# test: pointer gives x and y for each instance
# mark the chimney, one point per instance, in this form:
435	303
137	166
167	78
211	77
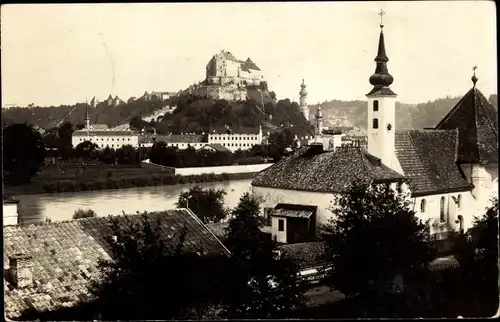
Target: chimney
20	270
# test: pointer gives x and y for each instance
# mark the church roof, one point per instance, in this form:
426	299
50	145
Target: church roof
311	169
428	160
476	120
65	255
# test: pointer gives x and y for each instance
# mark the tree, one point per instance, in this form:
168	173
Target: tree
87	150
261	286
373	239
207	204
84	213
23	153
493	99
153	276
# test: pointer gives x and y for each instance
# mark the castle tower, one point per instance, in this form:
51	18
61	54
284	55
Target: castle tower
382	107
303	100
319	121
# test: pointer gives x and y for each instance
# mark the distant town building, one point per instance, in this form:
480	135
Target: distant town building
101	135
242	138
303	100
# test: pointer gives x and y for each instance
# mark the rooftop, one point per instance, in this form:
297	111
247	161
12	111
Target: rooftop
476	120
312	169
428	160
234	130
173	138
65	255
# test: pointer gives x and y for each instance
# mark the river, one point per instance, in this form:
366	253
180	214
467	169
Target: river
61	206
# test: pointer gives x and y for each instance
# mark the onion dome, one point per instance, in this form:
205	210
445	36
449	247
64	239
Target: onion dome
303	91
319	113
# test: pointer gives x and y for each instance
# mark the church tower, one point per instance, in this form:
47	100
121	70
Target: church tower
87	118
319	121
382	107
303	100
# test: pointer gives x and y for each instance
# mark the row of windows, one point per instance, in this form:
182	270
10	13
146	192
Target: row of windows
442	210
234	138
102	139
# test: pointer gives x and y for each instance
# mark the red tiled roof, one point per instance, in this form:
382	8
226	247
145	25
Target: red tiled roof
476	120
330	171
428	160
65	255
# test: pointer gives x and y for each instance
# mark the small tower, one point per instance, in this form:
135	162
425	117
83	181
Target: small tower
87	118
319	121
303	100
382	107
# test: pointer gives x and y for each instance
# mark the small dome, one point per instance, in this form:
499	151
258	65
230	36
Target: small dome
303	91
384	79
319	113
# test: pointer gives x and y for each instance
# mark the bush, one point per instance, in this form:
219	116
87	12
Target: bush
84	213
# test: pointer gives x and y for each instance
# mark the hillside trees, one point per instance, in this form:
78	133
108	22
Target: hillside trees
23	153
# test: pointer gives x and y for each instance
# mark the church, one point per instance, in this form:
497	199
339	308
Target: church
451	169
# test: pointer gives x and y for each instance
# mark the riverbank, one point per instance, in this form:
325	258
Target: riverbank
117	181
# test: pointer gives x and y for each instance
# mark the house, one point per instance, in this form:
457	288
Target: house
10	211
216	148
50	266
452	169
103	136
235	138
180	141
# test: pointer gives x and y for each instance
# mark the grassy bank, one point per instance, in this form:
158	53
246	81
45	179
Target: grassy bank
74	180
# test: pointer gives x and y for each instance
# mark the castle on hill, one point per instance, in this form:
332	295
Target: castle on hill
229	78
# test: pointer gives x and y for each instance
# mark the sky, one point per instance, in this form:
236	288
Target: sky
62	54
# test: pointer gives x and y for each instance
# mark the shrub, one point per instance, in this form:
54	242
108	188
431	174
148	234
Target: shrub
84	213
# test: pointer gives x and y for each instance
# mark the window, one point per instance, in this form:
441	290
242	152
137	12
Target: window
422	206
375	106
281	225
442	216
375	123
459	201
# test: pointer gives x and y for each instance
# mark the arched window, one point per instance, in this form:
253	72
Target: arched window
375	123
459	201
375	105
442	216
422	205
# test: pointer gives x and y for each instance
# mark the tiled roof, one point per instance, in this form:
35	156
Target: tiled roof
380	91
65	255
249	64
293	211
234	130
99	126
229	56
428	160
218	147
173	138
476	120
331	171
104	133
219	229
304	254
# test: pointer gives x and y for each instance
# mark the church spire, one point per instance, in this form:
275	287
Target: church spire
381	79
87	118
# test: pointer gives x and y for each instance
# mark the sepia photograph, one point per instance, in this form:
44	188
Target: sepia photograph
250	160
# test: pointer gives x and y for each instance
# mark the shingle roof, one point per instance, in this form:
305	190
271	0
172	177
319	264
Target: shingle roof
331	171
173	138
476	120
305	254
229	56
65	255
293	211
428	160
84	133
234	130
218	147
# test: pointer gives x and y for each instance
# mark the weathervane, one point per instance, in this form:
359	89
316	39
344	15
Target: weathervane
381	14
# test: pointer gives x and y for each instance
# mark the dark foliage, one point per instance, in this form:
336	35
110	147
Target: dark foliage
146	265
373	238
262	286
207	204
23	153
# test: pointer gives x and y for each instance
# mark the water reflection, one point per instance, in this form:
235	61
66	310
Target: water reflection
58	207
